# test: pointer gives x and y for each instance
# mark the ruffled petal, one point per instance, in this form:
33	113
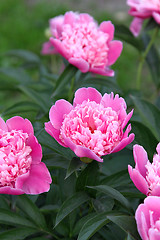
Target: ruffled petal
85	94
3	125
36	153
115	49
107	27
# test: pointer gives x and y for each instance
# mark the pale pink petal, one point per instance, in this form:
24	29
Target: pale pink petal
154	234
81	151
136	26
12	191
116	103
123	143
54	133
85	94
156	191
156	16
85	18
3	125
140	158
138	180
80	63
107	27
115	49
18	123
57	112
128	129
36	153
39	180
158	148
59	47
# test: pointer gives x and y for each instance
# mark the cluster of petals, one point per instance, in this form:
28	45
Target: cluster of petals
146	175
143	9
79	39
21	169
93	126
148	218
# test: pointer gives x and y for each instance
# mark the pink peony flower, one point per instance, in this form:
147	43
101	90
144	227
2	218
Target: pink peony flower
93	126
78	38
142	9
148	218
21	169
146	175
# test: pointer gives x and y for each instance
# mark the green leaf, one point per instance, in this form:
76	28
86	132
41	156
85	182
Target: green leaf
127	223
150	114
47	141
17	233
92	226
74	165
37	97
129	237
113	193
21	107
143	133
98	82
88	177
64	79
24	55
153	60
123	33
70	205
55	160
31	210
11	218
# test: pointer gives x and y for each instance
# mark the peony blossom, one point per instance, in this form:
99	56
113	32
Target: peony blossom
21	169
146	175
143	9
93	126
79	39
148	218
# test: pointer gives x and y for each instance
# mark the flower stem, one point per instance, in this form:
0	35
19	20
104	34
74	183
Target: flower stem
70	95
143	57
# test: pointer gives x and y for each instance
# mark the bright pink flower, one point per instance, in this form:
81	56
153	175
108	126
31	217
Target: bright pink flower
146	175
93	126
148	218
142	9
21	169
89	47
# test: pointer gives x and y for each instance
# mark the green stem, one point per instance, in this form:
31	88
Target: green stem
143	57
70	95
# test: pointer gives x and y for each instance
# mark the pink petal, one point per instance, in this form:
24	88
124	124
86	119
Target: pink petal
127	119
124	142
48	48
107	27
38	181
85	18
57	112
115	49
116	103
158	148
11	191
140	158
59	47
105	72
70	18
138	180
3	125
85	94
156	191
156	16
80	63
136	26
143	221
36	153
54	133
154	234
81	151
18	123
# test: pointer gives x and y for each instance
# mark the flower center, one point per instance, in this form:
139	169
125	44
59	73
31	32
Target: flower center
153	173
15	158
85	40
93	126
